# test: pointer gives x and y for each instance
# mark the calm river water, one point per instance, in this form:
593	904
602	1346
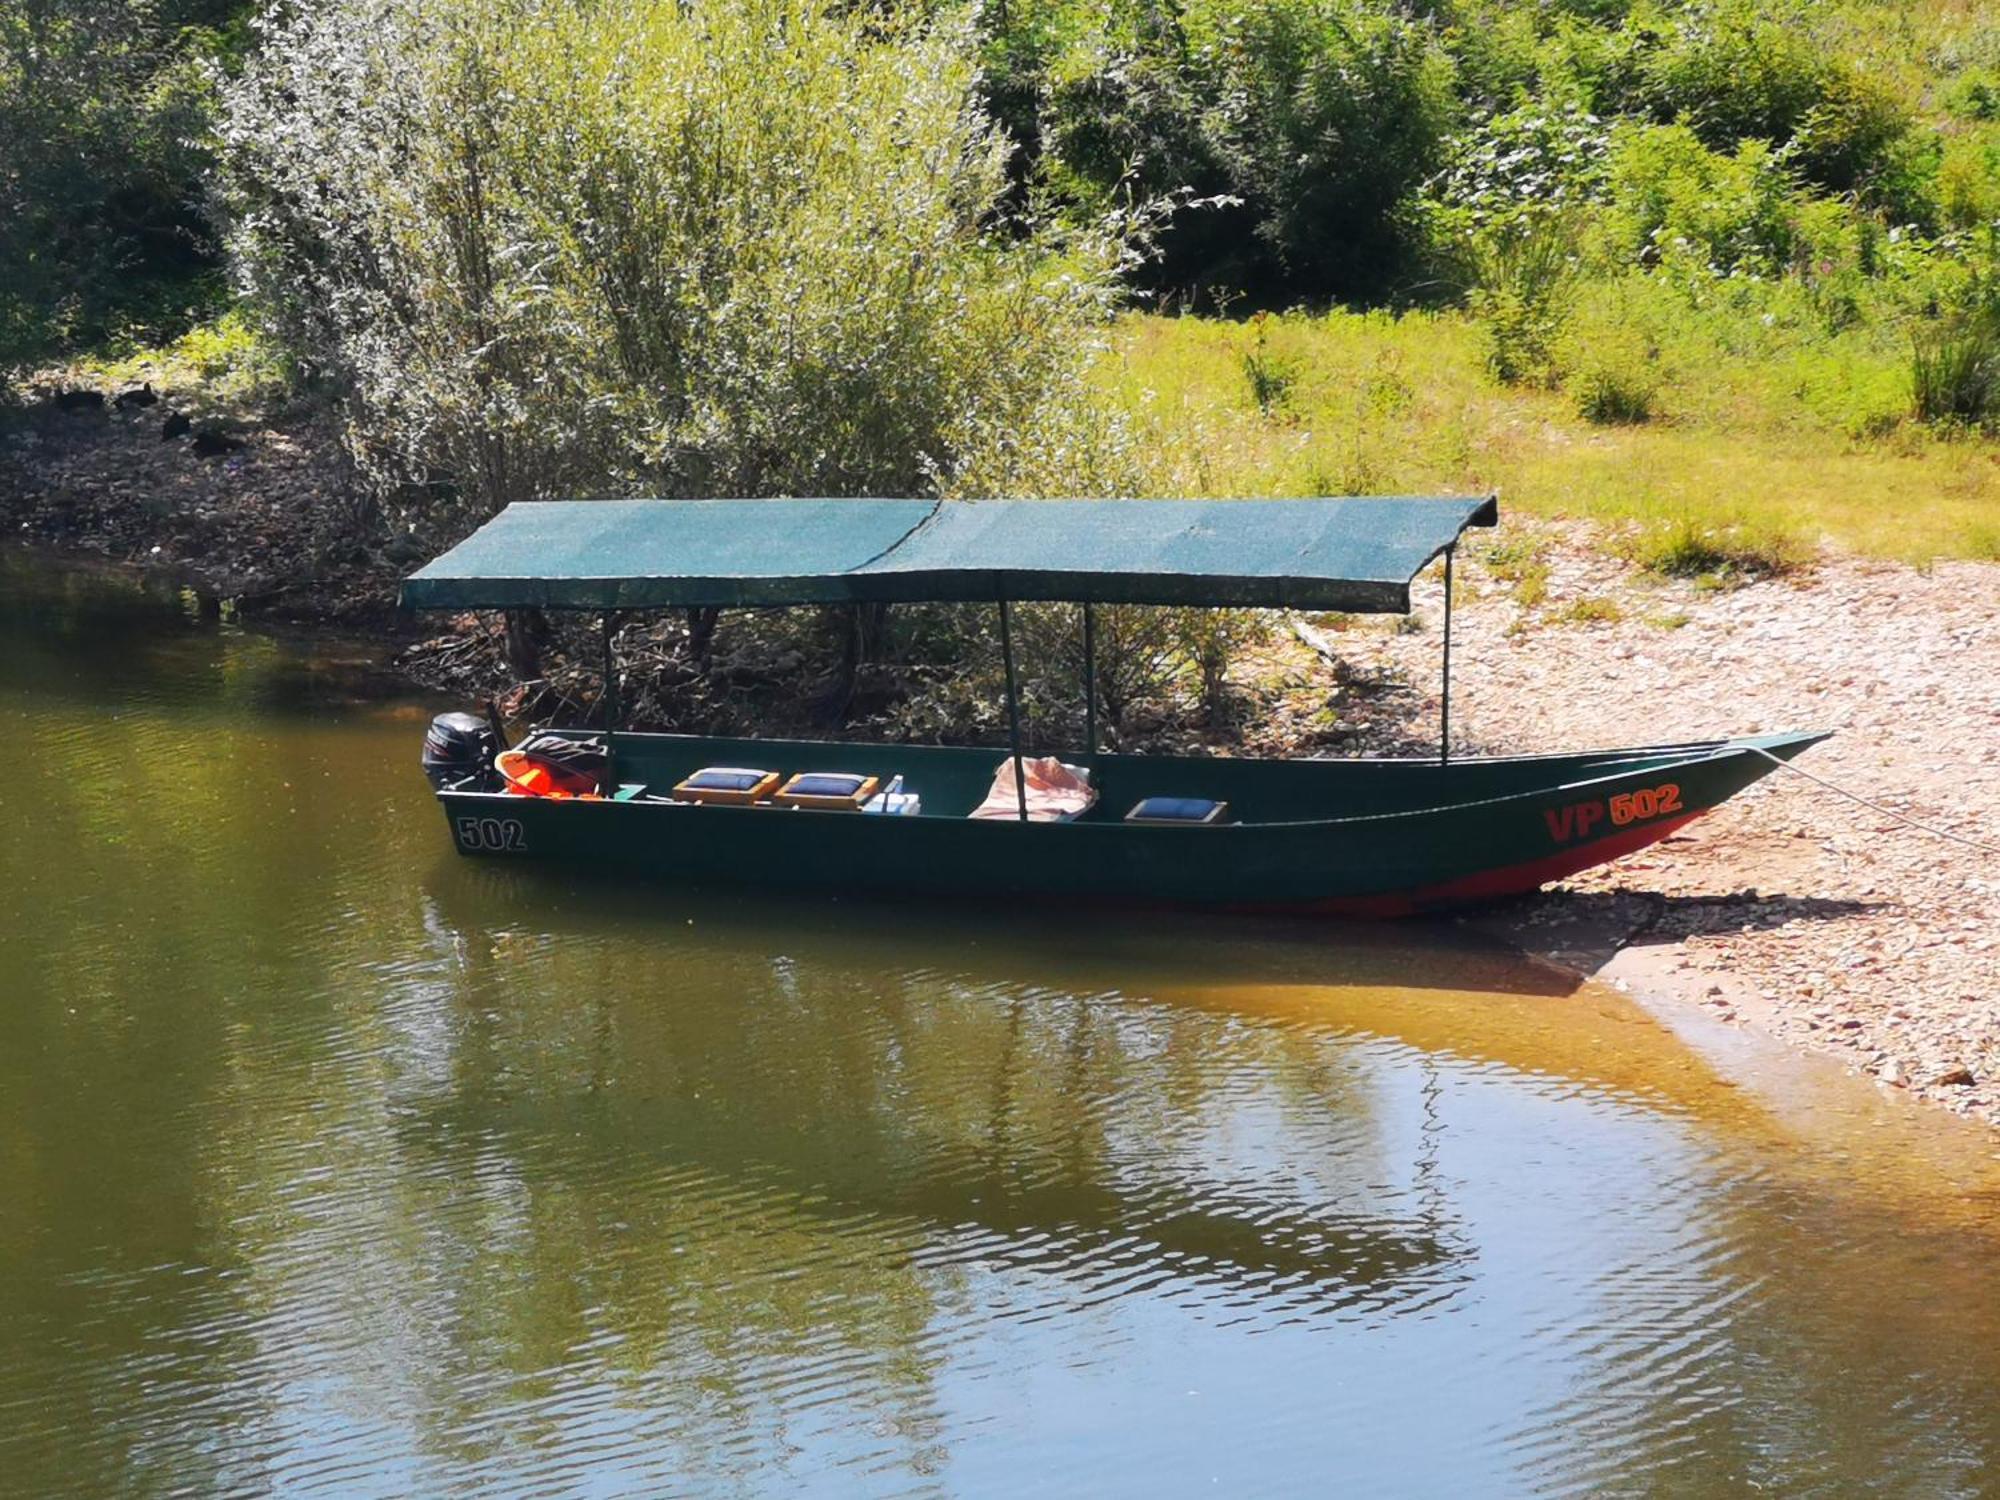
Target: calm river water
333	1164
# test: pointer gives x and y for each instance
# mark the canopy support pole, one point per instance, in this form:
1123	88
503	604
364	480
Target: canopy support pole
1090	681
610	702
1013	711
1444	704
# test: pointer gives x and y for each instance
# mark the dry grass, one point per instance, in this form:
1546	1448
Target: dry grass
1379	404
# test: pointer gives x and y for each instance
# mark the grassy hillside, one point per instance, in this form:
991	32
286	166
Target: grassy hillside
1759	447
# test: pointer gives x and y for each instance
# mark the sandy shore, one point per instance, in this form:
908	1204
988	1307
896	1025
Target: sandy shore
1791	909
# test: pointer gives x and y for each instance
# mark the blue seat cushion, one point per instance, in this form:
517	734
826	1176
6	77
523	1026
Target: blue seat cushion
1176	810
825	784
725	779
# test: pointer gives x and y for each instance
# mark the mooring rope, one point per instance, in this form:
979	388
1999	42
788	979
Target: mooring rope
1887	812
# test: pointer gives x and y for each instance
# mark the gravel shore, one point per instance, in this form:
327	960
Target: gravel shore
1831	925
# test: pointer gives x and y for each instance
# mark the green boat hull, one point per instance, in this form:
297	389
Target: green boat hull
1345	837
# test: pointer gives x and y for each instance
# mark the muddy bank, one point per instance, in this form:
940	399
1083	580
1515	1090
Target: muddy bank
256	510
1833	926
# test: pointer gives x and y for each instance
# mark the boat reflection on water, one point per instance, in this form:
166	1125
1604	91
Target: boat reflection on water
1016	1082
1403	1139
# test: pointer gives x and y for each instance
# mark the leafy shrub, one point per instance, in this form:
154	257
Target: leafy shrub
103	124
1968	182
1536	162
225	351
1847	141
1330	115
1974	96
1207	642
1615	392
1270	376
556	246
1299	127
1598	57
1749	69
1503	219
225	358
1522	561
1674	200
1125	115
1152	663
1593	609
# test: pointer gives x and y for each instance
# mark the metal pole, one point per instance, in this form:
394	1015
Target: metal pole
1444	711
610	703
1090	681
1013	711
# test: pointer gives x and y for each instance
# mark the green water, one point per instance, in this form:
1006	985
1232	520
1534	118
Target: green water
331	1164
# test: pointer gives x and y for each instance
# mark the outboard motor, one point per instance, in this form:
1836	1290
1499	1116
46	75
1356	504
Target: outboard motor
459	751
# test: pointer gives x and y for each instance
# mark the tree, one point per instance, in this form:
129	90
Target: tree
682	247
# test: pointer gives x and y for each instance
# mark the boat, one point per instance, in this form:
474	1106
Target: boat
1359	837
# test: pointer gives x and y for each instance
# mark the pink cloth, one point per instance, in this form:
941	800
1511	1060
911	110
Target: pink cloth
1055	791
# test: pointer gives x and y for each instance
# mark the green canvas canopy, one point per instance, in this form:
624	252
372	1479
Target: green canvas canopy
1354	553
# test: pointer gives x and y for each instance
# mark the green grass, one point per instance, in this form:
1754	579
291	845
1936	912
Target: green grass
1522	561
1776	440
224	361
1593	609
1715	553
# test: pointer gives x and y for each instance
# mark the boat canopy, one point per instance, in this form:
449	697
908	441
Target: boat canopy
1354	553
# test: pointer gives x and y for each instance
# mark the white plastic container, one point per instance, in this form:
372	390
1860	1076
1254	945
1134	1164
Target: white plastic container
894	801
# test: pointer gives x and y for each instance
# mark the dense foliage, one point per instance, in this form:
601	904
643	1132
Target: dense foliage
1830	163
551	246
104	117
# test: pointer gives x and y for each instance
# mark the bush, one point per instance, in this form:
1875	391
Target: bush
1301	127
1530	164
1208	642
1269	375
1330	115
1974	96
1615	393
560	246
1675	201
1609	357
104	110
1968	182
1523	562
1524	275
1593	609
1125	115
1751	70
1955	369
1716	554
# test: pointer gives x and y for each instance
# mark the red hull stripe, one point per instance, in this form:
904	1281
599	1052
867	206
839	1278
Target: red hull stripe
1508	880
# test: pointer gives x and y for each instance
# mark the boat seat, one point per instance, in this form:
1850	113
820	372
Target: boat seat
1186	811
727	786
833	791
